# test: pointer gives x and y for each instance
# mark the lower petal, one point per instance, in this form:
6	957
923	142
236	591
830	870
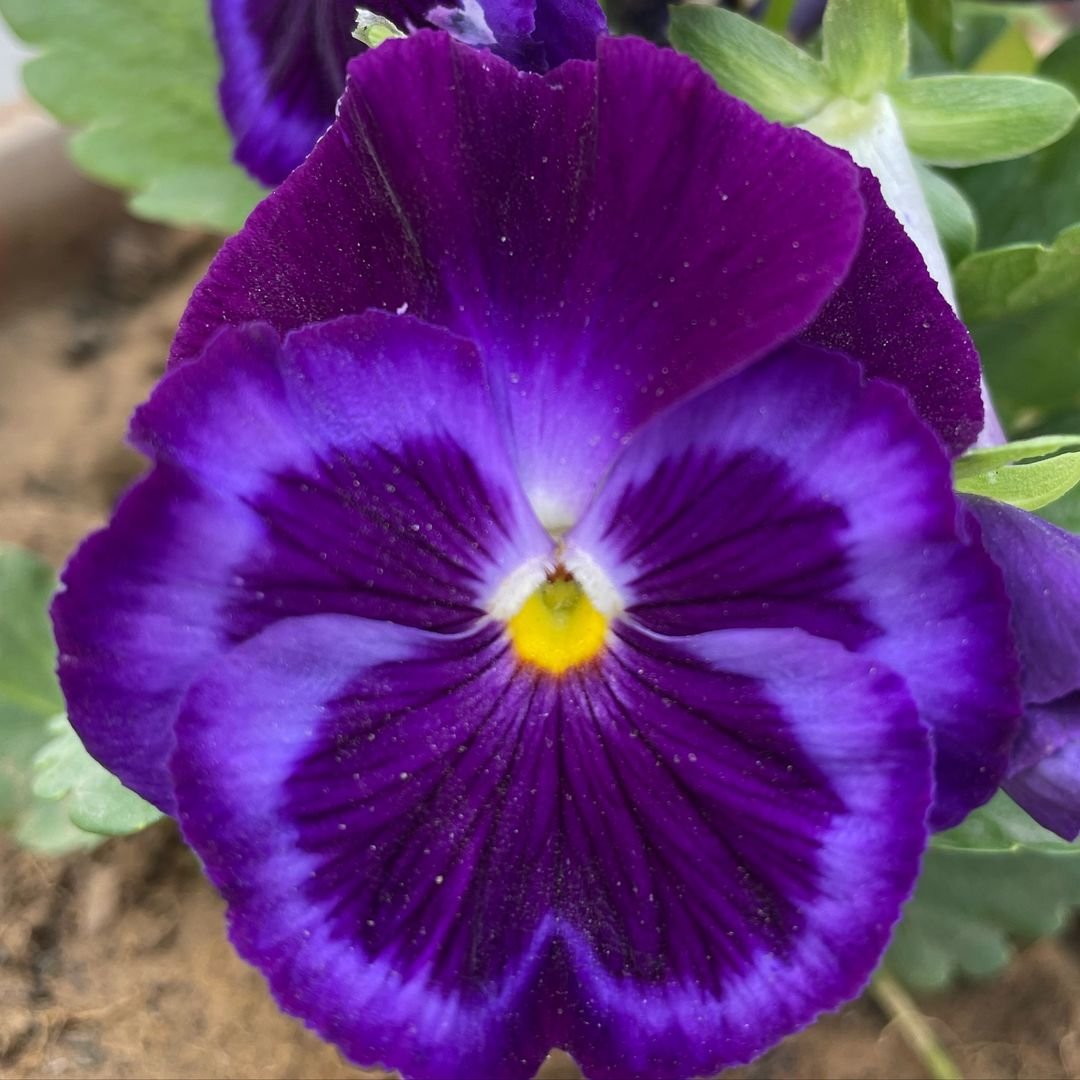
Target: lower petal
448	862
359	794
779	797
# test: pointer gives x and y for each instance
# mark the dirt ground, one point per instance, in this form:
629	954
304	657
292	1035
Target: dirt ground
115	963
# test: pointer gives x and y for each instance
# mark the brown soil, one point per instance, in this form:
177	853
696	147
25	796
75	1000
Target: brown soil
115	963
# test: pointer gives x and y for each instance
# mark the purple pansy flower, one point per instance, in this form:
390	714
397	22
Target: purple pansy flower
1041	564
549	615
284	60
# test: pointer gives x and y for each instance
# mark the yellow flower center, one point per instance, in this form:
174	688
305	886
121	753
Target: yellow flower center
558	627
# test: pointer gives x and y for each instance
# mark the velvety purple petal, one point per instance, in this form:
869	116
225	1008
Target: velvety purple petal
779	889
1044	774
612	235
890	315
1041	565
567	29
358	468
796	494
283	69
1046	729
448	863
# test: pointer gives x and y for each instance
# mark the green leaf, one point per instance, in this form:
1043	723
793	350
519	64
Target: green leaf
1034	198
140	76
29	697
865	44
1026	486
1020	304
766	71
96	801
969	908
953	215
966	119
993	472
1019	277
977	462
1001	825
937	20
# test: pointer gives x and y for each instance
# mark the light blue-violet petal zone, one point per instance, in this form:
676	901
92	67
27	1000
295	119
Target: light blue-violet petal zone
799	494
290	479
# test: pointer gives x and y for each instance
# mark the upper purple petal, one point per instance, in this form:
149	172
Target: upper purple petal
612	235
284	61
448	863
359	468
796	495
1041	566
890	315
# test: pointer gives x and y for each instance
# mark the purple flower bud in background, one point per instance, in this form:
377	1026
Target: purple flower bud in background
284	60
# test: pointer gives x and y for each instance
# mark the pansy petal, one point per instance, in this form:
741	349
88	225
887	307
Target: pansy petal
283	69
1044	774
372	849
778	795
612	235
568	29
890	315
796	494
357	468
1041	565
447	862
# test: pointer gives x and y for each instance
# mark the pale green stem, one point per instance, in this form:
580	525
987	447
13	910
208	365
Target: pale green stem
895	1002
870	132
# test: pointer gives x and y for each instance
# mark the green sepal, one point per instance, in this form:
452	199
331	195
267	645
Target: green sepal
140	77
865	45
95	800
1019	277
958	120
954	216
995	474
29	697
1001	825
969	908
763	69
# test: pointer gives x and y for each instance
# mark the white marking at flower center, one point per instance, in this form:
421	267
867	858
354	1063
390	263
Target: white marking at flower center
522	582
597	585
518	586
